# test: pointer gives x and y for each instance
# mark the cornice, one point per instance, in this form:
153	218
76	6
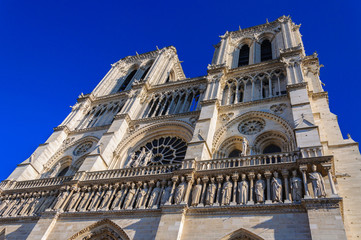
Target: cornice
318	95
92	129
175	85
297	86
123	212
256	68
254	209
166	117
252	103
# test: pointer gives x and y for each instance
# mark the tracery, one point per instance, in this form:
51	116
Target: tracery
163	150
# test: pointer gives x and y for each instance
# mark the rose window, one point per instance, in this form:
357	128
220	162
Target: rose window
164	150
83	148
251	126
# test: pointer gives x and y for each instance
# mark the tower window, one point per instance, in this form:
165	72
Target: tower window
243	56
145	73
266	50
127	81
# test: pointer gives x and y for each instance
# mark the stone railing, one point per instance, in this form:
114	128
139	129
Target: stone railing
131	172
40	182
253	160
311	152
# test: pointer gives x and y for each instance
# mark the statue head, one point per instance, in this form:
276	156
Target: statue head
212	180
314	167
158	184
198	181
145	185
275	174
243	176
227	178
182	179
132	185
294	173
259	176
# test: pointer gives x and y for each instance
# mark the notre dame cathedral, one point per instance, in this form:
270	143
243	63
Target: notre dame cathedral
249	151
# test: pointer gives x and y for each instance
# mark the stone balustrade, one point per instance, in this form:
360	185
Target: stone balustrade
252	160
131	172
37	183
311	152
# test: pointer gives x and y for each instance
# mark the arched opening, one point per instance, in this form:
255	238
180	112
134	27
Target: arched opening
145	73
243	58
242	234
63	172
235	153
127	81
266	50
272	148
104	229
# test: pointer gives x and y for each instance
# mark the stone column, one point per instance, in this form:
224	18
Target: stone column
303	169
235	177
268	175
219	188
327	167
285	180
250	177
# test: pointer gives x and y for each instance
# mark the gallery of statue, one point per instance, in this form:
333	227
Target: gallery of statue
249	151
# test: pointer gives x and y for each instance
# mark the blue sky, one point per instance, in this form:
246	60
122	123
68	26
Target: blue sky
51	51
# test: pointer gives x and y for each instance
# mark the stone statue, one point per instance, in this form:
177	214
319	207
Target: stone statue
117	200
226	191
318	184
166	193
296	187
137	162
61	199
196	192
211	191
147	158
154	196
180	191
82	205
259	189
276	188
141	199
106	198
96	198
55	170
243	190
244	147
131	160
73	199
129	197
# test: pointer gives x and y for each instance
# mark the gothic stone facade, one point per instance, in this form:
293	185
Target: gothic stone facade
249	151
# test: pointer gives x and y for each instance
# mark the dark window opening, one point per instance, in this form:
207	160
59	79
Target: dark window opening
235	153
272	148
266	50
243	56
145	73
127	81
63	172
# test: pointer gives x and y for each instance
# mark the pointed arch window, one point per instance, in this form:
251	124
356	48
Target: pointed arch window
243	58
127	80
266	50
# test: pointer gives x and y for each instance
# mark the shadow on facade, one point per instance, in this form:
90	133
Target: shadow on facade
22	232
145	228
291	226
